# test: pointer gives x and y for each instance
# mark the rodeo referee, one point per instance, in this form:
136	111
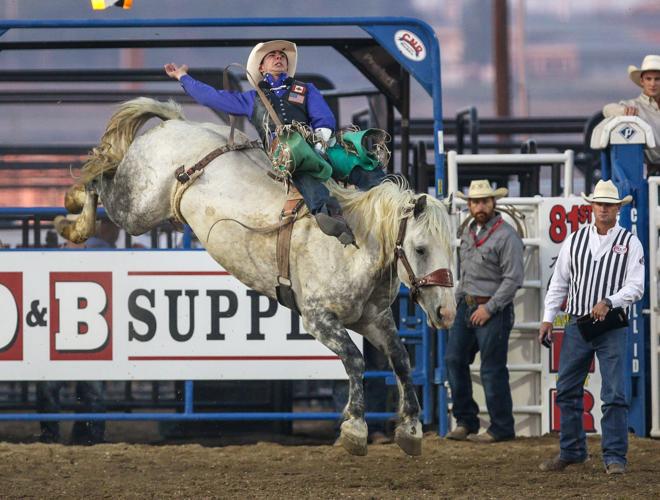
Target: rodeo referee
599	267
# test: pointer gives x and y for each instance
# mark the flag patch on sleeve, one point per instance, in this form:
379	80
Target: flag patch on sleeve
299	89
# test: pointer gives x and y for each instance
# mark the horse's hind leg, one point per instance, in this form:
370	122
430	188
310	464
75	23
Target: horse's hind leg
381	331
327	329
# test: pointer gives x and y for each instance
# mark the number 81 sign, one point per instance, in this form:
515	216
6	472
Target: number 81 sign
560	220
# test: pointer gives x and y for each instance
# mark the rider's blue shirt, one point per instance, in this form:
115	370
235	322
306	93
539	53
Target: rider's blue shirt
242	103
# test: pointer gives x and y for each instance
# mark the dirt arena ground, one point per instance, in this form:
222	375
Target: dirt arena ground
137	463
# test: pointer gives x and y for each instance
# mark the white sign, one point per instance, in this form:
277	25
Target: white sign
410	45
146	315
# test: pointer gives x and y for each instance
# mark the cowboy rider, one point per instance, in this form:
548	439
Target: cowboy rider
275	63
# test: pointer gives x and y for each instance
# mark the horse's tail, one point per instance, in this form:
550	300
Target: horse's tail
121	131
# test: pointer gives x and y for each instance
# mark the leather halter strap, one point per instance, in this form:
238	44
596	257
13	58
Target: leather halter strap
439	277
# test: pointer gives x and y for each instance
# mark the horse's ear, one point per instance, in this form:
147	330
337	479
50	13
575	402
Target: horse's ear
420	205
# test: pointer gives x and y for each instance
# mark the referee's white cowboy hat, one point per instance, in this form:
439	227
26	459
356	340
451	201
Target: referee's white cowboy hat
482	189
260	51
650	63
606	192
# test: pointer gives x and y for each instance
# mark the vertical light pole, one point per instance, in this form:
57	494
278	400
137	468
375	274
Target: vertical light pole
521	75
501	58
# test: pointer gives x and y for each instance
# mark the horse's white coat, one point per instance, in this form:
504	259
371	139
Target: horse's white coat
335	286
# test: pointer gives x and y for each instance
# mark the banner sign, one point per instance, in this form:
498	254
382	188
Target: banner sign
146	315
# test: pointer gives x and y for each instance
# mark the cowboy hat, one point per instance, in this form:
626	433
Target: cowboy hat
606	192
262	49
482	189
650	63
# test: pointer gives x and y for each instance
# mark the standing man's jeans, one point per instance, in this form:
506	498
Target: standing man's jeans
574	361
492	341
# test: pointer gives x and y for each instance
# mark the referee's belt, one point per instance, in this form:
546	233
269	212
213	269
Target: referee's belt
475	300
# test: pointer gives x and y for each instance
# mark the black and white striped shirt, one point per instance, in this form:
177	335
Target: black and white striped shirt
594	279
590	268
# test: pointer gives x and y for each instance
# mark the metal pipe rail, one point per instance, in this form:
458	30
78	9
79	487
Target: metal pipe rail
529	409
507	126
135	43
517	367
187	416
567	159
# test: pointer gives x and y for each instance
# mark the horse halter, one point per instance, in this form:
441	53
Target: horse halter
439	277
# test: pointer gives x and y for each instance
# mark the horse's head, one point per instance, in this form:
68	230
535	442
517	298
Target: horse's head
424	259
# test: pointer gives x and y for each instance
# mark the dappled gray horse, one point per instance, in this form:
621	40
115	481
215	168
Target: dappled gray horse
401	236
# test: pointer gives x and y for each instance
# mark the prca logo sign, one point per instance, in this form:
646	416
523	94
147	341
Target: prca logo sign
410	45
627	132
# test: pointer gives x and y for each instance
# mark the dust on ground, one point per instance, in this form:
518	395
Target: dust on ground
138	463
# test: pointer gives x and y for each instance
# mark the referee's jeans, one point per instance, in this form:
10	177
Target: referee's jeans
574	362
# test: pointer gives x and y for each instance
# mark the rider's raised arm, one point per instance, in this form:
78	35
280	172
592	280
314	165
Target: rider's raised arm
227	101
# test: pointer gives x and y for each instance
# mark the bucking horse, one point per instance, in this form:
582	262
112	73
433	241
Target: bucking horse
235	209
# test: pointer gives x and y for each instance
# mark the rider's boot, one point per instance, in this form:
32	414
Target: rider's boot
335	225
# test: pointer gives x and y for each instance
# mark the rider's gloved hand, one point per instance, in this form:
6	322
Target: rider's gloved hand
322	138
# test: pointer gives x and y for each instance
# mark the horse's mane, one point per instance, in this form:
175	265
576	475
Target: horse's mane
121	131
381	209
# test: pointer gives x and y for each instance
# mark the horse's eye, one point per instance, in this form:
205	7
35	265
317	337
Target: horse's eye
420	250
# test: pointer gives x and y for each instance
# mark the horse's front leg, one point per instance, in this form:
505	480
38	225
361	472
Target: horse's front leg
381	331
327	329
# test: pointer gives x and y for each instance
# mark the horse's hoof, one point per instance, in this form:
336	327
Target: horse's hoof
409	438
74	199
353	437
62	224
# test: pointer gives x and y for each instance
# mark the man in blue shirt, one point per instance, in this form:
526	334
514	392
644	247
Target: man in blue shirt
271	66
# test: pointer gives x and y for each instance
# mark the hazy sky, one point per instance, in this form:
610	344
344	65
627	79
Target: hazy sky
31	9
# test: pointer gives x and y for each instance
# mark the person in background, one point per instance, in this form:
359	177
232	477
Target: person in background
491	271
105	237
599	267
89	394
646	105
51	239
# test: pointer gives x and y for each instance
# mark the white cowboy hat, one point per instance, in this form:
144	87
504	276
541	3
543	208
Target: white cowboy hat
259	52
606	192
650	63
482	189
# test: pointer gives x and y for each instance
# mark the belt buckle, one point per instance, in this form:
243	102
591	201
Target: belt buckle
470	300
